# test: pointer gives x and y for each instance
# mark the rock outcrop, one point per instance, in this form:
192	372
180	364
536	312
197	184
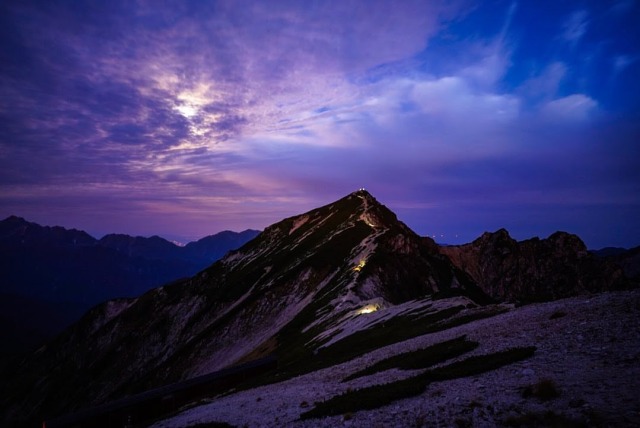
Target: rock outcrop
534	269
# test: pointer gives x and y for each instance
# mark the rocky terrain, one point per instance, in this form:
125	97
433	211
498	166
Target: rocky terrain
587	359
535	269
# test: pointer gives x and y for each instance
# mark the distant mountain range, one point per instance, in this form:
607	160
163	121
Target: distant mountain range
54	275
315	290
627	259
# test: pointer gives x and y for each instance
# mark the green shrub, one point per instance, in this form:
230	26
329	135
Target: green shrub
379	395
211	425
421	358
557	314
548	419
545	390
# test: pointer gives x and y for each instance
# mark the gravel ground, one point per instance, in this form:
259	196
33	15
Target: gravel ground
591	354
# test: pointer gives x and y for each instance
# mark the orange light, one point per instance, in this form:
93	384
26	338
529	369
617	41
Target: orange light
360	265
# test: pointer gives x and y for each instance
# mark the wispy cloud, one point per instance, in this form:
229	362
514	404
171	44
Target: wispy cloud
575	27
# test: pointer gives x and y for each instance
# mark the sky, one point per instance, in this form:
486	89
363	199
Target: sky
185	118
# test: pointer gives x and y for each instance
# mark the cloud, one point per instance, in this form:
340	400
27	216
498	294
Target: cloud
546	84
576	107
621	62
623	6
575	27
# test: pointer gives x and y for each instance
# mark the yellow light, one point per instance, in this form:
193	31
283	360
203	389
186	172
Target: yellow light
367	309
360	265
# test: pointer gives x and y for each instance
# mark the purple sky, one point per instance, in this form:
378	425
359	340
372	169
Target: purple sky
184	118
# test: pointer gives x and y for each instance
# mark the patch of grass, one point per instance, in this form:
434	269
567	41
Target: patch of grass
367	398
462	423
421	358
557	314
399	329
547	419
379	395
394	330
474	403
212	425
480	363
545	390
296	359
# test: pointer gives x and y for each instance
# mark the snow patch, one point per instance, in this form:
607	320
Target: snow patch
113	308
298	222
355	320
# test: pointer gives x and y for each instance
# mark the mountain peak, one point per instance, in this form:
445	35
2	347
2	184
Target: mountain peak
14	219
363	206
362	192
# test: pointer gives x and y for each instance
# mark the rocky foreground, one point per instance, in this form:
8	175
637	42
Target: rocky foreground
585	372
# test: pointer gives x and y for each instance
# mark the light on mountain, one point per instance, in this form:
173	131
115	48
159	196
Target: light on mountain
360	265
368	309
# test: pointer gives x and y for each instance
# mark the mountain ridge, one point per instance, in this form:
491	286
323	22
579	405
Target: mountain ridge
304	289
534	269
298	278
69	271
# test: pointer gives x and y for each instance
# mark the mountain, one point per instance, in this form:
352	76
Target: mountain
68	271
200	253
315	290
213	247
154	247
627	259
62	265
299	277
534	269
26	322
609	251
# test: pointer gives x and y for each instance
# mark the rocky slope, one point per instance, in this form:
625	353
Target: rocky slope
587	359
535	269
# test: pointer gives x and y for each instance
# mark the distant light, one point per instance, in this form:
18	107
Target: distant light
360	265
368	309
